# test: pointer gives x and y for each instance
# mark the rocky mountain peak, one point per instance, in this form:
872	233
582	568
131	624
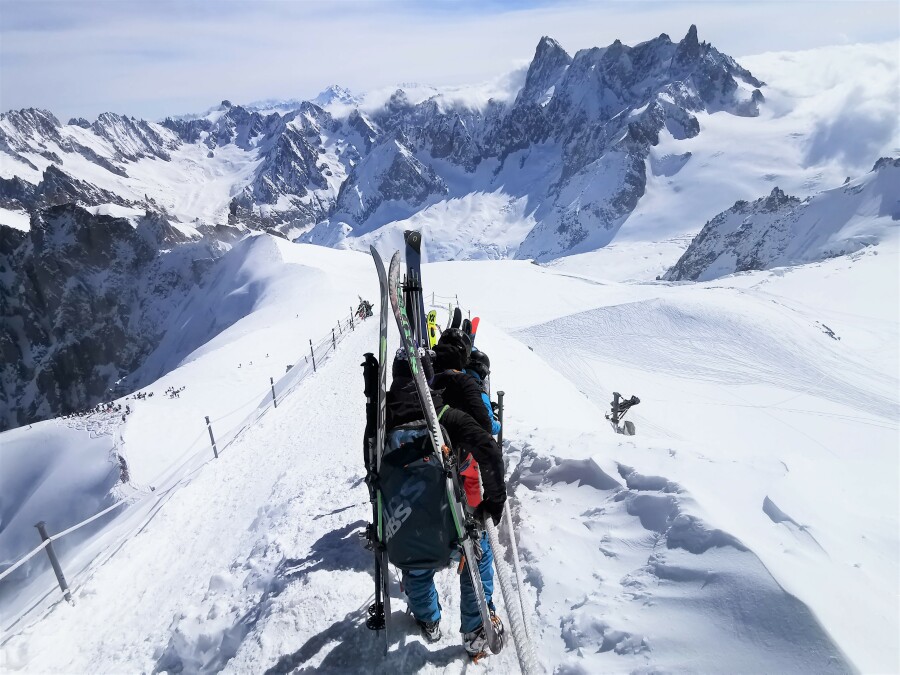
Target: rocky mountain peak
549	63
548	48
17	126
776	199
688	49
335	94
884	162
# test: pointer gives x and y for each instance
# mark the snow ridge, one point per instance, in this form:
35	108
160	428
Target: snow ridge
780	230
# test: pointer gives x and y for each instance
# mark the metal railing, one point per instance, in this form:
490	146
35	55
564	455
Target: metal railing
320	353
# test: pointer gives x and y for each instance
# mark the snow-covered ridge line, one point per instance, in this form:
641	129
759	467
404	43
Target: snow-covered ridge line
781	230
143	506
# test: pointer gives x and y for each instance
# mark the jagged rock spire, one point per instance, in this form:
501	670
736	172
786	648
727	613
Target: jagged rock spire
549	63
689	48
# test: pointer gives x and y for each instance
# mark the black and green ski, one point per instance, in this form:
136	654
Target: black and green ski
375	373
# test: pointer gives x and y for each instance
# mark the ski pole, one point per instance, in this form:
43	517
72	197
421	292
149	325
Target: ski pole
313	354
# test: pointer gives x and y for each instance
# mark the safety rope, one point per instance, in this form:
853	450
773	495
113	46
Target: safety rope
232	435
516	610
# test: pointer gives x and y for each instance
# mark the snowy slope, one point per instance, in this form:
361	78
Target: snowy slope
750	526
781	230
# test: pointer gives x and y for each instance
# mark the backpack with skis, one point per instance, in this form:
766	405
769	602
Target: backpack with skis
465	530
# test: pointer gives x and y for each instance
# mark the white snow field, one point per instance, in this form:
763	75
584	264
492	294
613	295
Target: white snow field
750	526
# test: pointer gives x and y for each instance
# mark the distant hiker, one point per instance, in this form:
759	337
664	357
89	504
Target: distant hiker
469	439
364	310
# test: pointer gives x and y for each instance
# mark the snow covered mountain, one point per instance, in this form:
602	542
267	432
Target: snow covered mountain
781	230
580	129
749	526
86	298
619	146
578	154
577	134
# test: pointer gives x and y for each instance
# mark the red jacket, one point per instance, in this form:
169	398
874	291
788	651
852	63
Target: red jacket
469	472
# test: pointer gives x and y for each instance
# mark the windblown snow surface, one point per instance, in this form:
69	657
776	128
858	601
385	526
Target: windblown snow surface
750	526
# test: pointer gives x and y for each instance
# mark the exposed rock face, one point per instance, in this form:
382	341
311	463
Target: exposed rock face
580	129
389	173
84	300
134	139
590	119
780	230
56	187
547	68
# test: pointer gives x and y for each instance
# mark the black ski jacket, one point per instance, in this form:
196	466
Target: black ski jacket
460	390
403	406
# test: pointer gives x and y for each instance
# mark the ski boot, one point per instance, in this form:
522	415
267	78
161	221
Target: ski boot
475	643
431	630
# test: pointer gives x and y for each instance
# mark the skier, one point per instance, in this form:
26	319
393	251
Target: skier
479	367
403	407
460	389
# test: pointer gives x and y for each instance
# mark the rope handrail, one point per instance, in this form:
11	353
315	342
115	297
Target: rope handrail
241	428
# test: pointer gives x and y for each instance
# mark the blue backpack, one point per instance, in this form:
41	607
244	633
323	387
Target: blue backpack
417	520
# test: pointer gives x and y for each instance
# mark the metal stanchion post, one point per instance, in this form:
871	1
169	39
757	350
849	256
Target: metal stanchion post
211	437
54	561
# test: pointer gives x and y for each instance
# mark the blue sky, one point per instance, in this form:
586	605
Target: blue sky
161	57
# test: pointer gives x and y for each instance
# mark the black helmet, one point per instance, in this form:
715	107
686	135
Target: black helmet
456	337
400	367
479	363
453	349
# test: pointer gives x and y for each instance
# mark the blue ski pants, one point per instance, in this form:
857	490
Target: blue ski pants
423	598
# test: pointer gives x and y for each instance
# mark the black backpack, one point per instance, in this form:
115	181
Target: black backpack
417	520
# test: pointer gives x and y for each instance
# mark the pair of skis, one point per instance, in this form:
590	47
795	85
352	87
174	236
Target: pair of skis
415	300
375	372
464	522
470	328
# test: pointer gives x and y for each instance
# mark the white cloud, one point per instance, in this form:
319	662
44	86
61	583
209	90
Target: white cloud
153	59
